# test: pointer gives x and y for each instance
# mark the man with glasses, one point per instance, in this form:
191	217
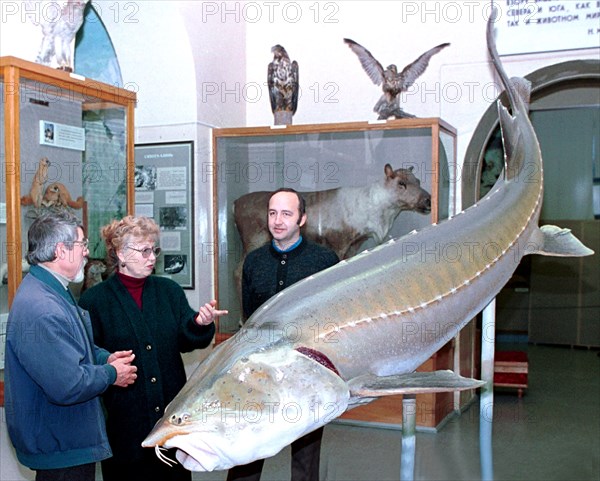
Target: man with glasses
54	373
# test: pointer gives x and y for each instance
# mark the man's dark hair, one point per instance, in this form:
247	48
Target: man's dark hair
301	201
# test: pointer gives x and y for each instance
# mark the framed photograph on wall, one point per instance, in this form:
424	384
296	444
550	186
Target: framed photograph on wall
164	186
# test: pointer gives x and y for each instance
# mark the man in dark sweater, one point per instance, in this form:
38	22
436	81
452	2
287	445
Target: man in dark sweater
287	259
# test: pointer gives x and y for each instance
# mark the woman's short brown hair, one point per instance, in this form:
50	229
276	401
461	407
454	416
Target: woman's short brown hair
119	233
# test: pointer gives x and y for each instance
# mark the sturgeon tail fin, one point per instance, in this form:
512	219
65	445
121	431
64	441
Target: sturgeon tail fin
522	87
518	91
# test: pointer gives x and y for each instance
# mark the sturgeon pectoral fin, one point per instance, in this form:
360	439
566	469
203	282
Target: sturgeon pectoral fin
413	383
556	241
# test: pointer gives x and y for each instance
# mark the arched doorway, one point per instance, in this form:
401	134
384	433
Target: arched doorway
552	300
577	82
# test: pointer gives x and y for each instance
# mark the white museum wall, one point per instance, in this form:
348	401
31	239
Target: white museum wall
197	65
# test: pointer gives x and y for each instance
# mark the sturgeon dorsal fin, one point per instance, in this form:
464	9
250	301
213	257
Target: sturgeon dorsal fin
551	240
370	385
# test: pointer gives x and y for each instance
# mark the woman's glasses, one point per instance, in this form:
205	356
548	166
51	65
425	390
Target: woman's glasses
146	251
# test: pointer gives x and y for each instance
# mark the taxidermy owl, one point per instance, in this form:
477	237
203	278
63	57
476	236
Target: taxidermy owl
282	79
392	82
59	22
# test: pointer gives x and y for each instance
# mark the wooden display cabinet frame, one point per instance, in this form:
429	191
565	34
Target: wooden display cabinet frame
12	71
242	155
15	73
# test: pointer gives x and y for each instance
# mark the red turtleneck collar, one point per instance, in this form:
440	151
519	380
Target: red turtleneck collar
134	285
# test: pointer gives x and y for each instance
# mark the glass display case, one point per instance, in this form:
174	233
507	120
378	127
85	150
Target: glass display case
349	157
67	143
320	157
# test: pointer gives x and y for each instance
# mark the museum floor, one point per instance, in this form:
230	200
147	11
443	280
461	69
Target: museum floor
552	433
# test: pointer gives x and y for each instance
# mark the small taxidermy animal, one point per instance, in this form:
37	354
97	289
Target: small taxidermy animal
94	270
4	270
57	195
36	193
392	82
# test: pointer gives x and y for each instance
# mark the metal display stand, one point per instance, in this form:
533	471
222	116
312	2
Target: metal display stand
486	407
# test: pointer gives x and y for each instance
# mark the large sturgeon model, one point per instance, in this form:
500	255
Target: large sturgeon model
359	330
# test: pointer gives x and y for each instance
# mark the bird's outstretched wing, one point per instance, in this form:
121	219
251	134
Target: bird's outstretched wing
412	71
369	63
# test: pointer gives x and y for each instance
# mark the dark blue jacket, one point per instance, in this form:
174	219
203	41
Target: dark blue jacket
54	375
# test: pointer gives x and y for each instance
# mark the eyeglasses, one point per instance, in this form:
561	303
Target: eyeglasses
146	251
84	243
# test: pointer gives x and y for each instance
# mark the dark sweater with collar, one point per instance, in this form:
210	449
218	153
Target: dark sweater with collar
157	334
268	270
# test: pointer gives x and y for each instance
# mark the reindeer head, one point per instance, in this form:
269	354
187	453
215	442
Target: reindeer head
407	190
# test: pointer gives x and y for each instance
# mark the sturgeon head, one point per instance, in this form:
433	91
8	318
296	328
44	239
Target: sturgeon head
359	330
246	402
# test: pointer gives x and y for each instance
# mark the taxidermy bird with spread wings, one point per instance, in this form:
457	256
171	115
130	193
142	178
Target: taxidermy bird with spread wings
59	22
394	83
282	78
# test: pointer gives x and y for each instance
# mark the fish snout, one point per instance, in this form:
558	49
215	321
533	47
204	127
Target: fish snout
161	433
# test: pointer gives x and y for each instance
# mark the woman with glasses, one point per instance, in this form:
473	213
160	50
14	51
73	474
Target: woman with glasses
151	316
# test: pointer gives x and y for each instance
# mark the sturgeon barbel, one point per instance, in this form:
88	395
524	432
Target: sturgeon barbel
360	329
